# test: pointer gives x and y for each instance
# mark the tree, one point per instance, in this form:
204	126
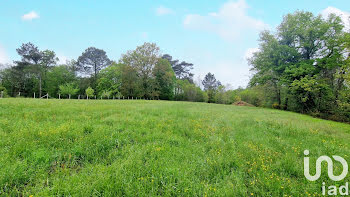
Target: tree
303	64
89	92
142	60
271	62
110	79
210	85
68	89
36	62
193	93
164	79
130	83
209	82
105	94
182	69
25	69
30	54
56	76
3	92
91	61
221	96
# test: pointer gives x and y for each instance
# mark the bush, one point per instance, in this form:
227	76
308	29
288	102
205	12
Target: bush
253	96
4	91
89	92
68	89
276	106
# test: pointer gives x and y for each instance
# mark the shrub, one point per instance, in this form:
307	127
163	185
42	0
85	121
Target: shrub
276	106
68	89
89	92
4	91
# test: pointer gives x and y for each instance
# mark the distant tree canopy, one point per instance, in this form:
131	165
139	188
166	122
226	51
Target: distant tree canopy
182	69
68	89
304	66
91	61
109	80
32	68
143	59
210	85
164	80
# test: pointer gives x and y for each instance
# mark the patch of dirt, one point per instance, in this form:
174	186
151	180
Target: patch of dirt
242	103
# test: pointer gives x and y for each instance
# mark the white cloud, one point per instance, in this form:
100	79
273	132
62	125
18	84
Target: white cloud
30	16
229	22
249	52
161	10
345	16
3	56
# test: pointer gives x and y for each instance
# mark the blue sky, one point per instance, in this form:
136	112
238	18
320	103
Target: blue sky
216	36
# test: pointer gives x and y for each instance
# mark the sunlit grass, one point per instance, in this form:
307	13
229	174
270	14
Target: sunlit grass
147	148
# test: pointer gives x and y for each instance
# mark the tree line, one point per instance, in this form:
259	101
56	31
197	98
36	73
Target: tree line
303	66
140	73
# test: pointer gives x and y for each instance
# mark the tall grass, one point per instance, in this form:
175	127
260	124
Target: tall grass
151	148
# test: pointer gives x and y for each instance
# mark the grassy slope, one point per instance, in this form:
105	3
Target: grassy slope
159	148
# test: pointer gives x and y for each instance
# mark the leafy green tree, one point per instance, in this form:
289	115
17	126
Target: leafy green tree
303	64
110	79
34	63
164	79
221	96
143	59
253	95
182	69
91	61
105	94
187	91
89	92
210	86
131	86
3	92
68	89
56	76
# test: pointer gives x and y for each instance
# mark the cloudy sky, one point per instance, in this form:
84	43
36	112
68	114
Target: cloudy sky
216	36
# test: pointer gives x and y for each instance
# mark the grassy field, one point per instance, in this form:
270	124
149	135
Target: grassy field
149	148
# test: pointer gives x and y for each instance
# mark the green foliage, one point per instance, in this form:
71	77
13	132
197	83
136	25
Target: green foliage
164	79
130	84
92	61
142	60
57	76
222	96
3	92
210	85
109	80
181	69
106	94
253	96
68	89
89	92
303	67
33	65
276	106
186	91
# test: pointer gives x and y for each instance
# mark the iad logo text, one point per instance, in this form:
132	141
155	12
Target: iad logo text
332	190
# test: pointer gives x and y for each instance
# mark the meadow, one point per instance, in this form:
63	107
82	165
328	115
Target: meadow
160	148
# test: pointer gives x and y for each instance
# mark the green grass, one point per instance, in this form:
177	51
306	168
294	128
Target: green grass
149	148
